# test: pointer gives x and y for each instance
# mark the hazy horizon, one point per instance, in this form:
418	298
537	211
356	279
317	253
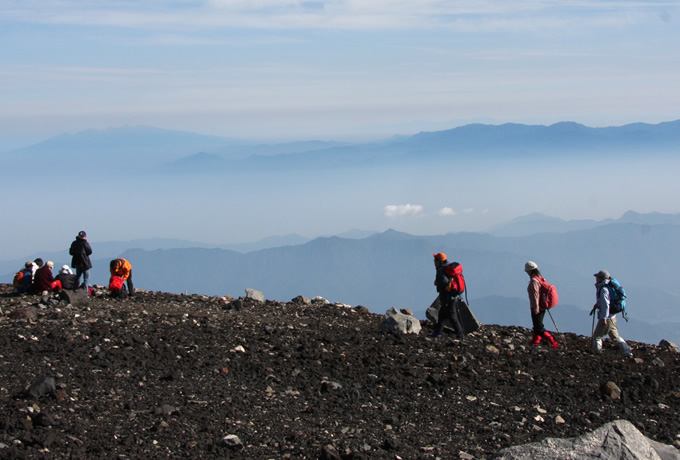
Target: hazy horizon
330	70
339	69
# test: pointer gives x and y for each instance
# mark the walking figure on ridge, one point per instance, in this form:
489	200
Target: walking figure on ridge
537	305
448	308
606	314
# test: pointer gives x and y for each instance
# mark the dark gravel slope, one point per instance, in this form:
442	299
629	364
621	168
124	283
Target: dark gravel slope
162	375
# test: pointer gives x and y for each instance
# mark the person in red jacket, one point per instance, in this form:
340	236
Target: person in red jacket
122	268
537	313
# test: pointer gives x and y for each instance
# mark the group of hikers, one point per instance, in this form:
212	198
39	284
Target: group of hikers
450	285
36	277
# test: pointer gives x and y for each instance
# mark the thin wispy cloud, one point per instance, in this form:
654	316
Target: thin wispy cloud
402	210
462	16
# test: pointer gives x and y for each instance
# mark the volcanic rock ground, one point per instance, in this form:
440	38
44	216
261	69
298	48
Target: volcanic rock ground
171	376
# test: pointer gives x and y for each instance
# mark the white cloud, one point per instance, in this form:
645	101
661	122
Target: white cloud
394	210
469	210
446	211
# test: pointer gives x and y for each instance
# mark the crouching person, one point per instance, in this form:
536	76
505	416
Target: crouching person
123	269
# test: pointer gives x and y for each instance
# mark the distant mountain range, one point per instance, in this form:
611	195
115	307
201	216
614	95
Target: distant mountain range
393	269
154	150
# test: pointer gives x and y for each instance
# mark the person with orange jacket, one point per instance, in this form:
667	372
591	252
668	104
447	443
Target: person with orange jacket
123	268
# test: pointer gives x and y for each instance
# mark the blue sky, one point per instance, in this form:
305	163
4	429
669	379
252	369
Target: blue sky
332	69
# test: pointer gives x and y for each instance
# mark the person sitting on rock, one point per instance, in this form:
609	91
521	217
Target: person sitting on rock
67	278
23	279
44	280
123	268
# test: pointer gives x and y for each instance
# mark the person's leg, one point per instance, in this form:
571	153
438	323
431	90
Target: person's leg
538	328
455	317
443	314
601	330
86	281
131	288
614	334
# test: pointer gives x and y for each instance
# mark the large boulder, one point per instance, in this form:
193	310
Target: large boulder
77	298
255	295
397	321
618	440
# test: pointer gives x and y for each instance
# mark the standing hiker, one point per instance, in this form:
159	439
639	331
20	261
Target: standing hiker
606	320
447	305
537	313
81	250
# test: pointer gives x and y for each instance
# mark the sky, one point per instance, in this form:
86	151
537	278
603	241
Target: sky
345	70
332	69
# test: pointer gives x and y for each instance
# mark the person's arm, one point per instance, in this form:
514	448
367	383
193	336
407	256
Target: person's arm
534	295
603	303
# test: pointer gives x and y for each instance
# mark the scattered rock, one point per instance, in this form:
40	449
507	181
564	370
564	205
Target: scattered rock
396	321
255	295
611	390
616	440
25	314
41	386
232	442
669	345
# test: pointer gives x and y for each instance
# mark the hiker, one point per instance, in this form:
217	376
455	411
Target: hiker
67	279
122	268
537	313
44	280
81	251
447	304
23	279
606	321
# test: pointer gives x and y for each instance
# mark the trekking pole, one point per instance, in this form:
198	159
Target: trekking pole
564	342
553	320
592	329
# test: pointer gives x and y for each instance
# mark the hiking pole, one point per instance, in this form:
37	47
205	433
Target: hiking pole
592	329
557	329
553	320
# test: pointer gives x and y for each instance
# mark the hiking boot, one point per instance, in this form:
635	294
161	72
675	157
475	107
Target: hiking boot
625	348
535	340
551	339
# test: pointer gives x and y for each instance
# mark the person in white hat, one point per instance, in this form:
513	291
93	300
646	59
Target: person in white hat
606	322
537	313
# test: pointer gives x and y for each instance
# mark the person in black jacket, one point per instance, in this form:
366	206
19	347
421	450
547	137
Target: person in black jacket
447	305
81	250
67	279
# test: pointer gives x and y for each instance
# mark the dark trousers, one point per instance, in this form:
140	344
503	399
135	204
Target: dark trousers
448	309
537	321
130	287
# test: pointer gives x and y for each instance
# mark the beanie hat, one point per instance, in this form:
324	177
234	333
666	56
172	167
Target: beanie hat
530	266
82	234
440	256
604	274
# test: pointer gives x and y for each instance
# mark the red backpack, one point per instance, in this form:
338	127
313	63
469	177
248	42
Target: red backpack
547	297
454	271
116	283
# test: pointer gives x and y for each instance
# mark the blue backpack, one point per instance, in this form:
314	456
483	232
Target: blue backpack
617	298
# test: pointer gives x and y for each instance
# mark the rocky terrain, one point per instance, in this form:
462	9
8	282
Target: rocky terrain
187	376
